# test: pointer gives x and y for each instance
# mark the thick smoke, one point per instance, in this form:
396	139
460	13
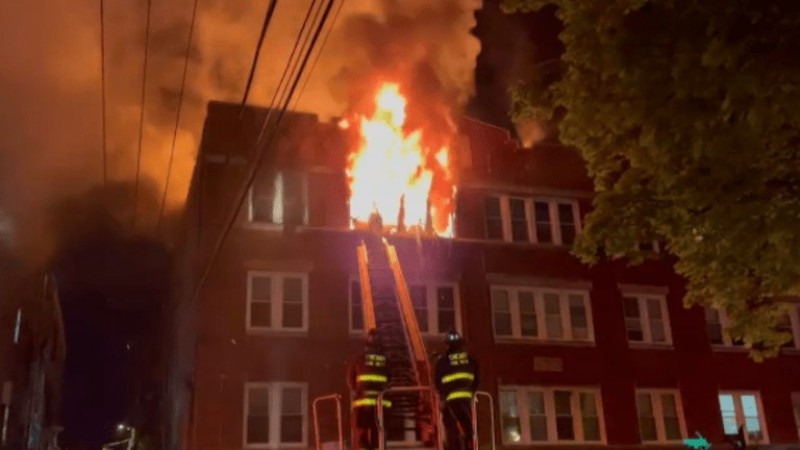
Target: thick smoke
50	121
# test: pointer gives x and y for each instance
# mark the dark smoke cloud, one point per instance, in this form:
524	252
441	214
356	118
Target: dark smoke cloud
50	127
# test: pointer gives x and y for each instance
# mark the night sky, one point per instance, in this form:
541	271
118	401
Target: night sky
114	286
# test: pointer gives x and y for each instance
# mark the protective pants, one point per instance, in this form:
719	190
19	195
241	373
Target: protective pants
457	418
366	427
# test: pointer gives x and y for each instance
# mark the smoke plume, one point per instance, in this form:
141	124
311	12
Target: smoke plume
51	143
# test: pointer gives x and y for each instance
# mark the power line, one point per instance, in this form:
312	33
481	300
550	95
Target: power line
177	117
103	91
141	114
264	26
291	66
316	58
260	149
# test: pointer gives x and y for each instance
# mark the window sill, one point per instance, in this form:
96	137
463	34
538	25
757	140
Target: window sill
649	346
266	226
276	332
275	446
729	348
542	342
554	444
519	244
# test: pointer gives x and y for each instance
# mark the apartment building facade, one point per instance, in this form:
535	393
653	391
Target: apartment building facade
574	356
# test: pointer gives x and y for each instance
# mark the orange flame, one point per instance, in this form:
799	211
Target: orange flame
392	172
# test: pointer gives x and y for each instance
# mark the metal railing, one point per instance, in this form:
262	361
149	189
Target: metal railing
435	416
338	400
475	418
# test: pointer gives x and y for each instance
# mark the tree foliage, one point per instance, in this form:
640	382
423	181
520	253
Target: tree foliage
687	113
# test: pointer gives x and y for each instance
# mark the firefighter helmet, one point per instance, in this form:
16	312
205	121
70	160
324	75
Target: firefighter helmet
453	338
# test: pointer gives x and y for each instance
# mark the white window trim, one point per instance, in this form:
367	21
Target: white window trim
541	324
794	319
658	413
555	221
550	414
644	318
796	409
277	302
727	341
432	307
275	403
18	326
278	226
737	405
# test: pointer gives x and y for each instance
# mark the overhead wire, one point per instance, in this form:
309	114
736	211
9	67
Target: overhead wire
319	52
264	26
103	92
177	117
261	153
141	113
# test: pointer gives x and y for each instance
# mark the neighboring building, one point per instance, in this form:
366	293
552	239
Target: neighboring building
32	352
575	355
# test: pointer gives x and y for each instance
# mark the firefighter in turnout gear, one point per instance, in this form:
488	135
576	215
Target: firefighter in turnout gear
457	381
368	377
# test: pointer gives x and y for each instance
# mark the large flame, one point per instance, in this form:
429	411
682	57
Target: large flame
392	172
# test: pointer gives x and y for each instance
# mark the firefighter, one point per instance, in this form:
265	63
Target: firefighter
457	381
367	378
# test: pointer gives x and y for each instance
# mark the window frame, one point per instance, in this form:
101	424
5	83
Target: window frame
276	304
644	319
279	226
727	341
658	414
539	307
550	414
795	398
430	296
17	326
737	406
275	389
794	320
530	217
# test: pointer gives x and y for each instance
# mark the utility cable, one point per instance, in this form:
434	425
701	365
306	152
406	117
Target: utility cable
141	113
254	65
261	152
177	117
316	58
103	92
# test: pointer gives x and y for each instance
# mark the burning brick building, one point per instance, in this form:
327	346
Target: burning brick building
573	355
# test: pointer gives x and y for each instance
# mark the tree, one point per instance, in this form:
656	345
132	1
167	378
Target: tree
687	113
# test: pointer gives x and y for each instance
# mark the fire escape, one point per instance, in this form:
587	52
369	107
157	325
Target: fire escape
388	308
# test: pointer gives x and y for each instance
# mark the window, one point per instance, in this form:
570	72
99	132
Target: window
716	326
538	415
275	415
277	301
796	409
18	326
790	324
494	219
743	408
436	306
660	418
544	221
538	313
356	307
279	200
646	319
